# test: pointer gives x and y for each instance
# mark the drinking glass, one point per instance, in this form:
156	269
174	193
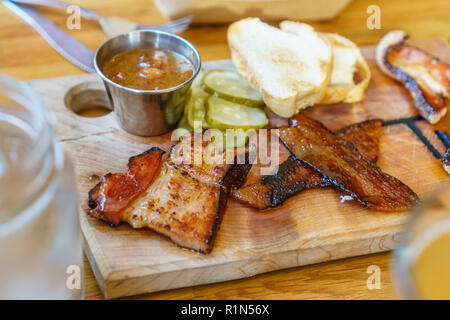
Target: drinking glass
40	240
421	265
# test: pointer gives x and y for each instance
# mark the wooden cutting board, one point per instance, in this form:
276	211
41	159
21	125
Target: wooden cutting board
310	227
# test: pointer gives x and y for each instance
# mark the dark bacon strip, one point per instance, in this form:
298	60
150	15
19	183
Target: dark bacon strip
116	191
446	161
426	78
293	177
365	136
431	105
343	166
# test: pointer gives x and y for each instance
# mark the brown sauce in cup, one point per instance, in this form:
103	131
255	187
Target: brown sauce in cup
148	69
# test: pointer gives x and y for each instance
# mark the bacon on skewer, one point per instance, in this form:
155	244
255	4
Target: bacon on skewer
426	78
446	161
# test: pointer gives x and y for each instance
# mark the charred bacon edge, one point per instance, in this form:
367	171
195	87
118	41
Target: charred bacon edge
278	196
234	177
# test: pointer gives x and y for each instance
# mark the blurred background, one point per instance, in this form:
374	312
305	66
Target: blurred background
423	19
26	56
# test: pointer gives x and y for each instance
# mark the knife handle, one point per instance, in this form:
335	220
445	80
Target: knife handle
85	13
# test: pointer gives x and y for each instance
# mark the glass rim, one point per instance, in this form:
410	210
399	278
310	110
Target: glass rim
39	119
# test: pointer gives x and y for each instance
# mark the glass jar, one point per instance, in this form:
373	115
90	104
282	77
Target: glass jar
421	264
40	239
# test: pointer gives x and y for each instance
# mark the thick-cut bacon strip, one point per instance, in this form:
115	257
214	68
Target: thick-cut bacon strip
116	191
342	165
426	78
446	161
293	177
183	199
365	136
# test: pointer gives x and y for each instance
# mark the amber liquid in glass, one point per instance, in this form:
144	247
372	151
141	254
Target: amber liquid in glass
431	269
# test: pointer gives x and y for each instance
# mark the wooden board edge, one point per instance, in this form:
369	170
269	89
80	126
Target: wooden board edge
123	285
95	269
98	271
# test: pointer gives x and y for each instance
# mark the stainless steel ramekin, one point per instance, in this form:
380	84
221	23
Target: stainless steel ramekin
147	112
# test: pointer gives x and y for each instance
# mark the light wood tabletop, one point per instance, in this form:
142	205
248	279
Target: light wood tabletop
25	55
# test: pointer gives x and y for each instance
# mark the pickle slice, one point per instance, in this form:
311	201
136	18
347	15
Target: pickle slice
230	138
224	114
195	109
198	79
229	85
235	138
183	128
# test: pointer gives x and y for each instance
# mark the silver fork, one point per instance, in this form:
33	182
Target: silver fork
113	26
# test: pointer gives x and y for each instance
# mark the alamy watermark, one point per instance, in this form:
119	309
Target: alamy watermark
73	281
232	146
374	280
74	19
374	19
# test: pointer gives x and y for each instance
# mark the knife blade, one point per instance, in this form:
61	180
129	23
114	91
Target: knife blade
61	41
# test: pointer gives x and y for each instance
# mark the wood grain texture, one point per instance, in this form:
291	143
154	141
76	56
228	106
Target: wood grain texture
341	279
312	227
25	55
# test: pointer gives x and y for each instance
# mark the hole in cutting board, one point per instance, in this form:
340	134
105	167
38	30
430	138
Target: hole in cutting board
88	99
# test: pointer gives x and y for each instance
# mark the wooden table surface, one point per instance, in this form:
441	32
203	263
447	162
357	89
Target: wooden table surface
25	55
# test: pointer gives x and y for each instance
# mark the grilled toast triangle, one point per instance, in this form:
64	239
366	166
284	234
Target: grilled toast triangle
347	61
291	71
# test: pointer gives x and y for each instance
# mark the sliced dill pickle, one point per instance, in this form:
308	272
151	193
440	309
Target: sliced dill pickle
229	85
224	114
183	128
183	124
235	138
198	79
195	109
230	138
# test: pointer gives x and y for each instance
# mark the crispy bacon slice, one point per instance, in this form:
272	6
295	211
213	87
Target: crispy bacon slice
184	202
116	191
446	161
365	136
426	78
293	177
188	198
343	166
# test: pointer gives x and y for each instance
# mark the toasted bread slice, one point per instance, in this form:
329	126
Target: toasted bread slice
347	60
291	71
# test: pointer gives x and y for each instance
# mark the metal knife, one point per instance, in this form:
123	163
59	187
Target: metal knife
61	41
